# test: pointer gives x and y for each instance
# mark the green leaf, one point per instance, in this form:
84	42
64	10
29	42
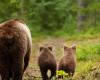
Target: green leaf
13	1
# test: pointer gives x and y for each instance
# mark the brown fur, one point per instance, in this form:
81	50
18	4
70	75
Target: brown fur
15	49
68	62
46	61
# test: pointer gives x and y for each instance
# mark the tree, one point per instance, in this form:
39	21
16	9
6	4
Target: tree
82	15
52	15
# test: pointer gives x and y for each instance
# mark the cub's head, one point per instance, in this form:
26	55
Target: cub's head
70	50
45	49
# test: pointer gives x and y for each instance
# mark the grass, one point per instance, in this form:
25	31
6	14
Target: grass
90	51
88	56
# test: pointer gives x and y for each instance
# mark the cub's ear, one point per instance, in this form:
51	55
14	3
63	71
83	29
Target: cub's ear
65	47
74	47
41	48
50	48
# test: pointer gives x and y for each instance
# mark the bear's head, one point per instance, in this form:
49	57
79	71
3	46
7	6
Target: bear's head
70	50
45	49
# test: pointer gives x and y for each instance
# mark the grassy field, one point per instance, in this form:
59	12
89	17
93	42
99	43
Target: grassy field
88	57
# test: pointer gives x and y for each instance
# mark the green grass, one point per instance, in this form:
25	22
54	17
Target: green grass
90	33
89	51
88	55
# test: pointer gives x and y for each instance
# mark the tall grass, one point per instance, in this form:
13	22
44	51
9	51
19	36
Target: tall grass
88	51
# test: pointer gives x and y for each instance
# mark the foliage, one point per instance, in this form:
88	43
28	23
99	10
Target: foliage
88	52
62	73
51	17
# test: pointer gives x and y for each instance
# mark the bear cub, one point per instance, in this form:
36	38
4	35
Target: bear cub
46	61
68	61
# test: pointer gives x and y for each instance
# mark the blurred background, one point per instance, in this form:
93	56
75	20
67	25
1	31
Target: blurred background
55	18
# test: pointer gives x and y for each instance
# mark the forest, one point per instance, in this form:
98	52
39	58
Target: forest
58	22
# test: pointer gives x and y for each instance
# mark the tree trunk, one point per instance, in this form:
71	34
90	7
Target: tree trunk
81	14
21	7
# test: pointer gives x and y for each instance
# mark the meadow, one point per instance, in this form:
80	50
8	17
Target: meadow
87	55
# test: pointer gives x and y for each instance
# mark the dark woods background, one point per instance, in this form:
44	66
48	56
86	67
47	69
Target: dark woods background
54	17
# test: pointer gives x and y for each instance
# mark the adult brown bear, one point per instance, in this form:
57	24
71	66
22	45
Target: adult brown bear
68	61
46	61
15	49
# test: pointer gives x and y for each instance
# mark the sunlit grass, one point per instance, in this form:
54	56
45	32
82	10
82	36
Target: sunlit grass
88	56
89	51
83	67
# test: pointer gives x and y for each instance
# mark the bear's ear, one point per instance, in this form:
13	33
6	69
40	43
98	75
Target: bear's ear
65	47
41	48
50	48
74	47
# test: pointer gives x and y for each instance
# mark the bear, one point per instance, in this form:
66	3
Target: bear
68	62
15	49
47	61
